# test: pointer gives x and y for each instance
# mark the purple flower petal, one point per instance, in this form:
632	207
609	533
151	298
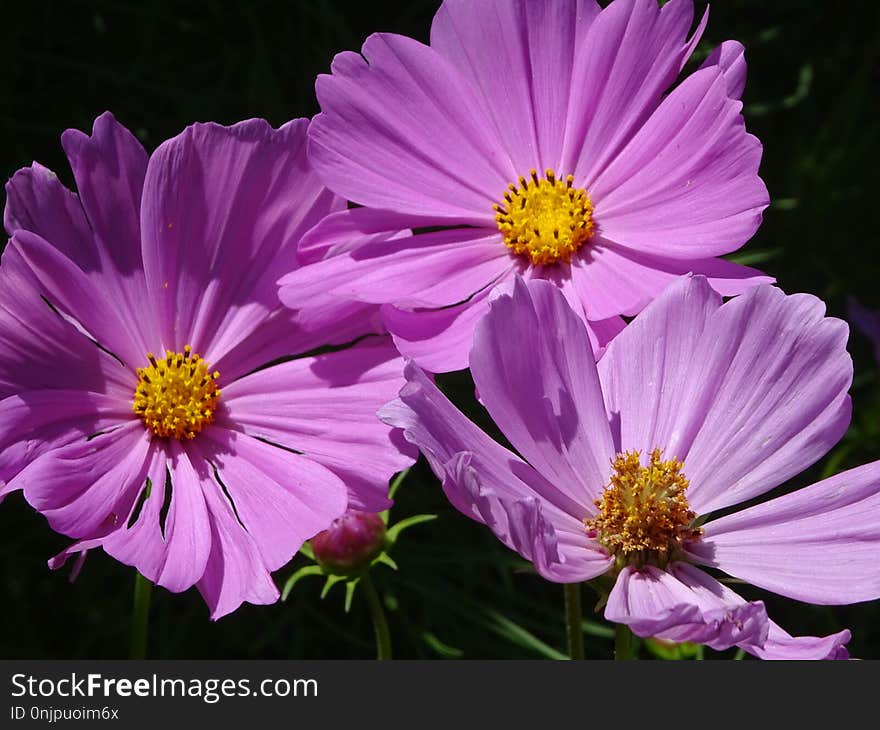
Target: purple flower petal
520	523
438	339
681	378
427	270
162	551
645	371
88	488
325	407
75	294
518	56
630	55
325	321
782	646
109	169
40	348
687	183
547	399
348	230
38	202
611	279
35	422
818	544
761	431
281	499
224	208
402	130
729	57
684	604
234	572
490	484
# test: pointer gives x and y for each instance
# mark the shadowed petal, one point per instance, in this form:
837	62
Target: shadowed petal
234	572
281	499
644	371
88	488
533	366
439	340
683	604
325	407
781	645
224	208
35	422
433	269
490	484
611	279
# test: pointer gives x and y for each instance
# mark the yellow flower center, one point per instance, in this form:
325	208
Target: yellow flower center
545	219
644	516
177	396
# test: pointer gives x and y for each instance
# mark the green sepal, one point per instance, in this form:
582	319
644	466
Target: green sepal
385	559
332	580
349	592
299	575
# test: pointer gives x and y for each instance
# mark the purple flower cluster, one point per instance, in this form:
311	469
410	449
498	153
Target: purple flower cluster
522	183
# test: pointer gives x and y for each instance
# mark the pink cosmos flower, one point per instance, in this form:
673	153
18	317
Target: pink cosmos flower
530	138
143	408
625	465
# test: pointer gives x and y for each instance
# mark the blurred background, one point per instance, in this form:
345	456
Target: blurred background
811	97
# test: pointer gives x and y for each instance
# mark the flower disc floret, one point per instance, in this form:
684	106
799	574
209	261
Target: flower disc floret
545	219
176	397
644	516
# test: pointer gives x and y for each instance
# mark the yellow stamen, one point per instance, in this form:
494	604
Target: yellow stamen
176	397
644	516
544	218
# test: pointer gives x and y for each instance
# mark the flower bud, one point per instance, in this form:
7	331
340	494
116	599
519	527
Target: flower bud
350	543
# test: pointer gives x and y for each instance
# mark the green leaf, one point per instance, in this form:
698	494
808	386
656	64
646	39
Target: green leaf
299	575
593	628
520	636
750	258
306	549
399	527
444	650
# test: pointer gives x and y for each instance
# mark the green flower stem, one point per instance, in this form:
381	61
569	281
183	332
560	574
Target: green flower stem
574	633
140	616
623	642
380	623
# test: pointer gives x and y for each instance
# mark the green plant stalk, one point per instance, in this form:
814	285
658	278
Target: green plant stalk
574	633
140	617
623	642
380	623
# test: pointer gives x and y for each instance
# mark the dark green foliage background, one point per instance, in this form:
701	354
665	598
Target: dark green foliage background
812	98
